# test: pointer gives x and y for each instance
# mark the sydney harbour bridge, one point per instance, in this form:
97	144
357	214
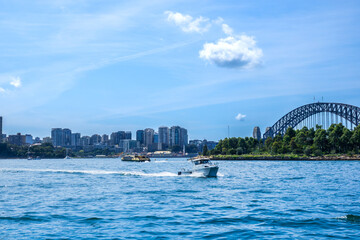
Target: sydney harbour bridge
320	113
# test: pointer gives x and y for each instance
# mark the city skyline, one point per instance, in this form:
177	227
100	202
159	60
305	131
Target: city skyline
201	65
148	139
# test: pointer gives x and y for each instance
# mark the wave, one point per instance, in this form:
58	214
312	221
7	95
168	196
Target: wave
25	218
94	172
105	172
350	218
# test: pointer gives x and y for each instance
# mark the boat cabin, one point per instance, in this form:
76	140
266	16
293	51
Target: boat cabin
201	161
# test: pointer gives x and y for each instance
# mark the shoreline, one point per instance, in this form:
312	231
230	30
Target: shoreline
285	158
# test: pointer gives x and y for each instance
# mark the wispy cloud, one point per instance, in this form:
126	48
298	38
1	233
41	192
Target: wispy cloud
240	117
187	23
227	29
15	81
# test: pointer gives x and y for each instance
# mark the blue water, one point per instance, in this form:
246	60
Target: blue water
110	199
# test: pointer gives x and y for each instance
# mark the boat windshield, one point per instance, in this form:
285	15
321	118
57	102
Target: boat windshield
201	162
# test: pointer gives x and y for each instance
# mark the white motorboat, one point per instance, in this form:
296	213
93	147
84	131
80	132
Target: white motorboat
201	166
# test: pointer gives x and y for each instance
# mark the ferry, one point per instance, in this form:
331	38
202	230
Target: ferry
135	158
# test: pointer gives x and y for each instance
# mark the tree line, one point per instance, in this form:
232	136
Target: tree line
337	139
45	150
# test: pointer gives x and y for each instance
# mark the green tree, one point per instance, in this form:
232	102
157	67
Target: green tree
191	148
233	142
320	139
176	149
335	134
276	147
300	139
239	151
293	146
205	150
355	139
345	144
242	145
268	144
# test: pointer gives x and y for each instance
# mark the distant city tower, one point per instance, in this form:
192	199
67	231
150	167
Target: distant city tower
257	133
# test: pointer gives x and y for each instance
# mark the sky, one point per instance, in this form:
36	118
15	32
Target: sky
208	66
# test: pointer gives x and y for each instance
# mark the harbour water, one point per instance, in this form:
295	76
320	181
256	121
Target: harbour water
110	199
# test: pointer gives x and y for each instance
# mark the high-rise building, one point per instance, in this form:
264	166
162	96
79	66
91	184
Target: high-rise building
105	139
148	136
140	136
57	137
61	137
17	139
257	133
156	137
175	136
122	135
115	137
85	141
269	129
66	137
178	136
47	140
128	135
29	139
164	137
184	137
95	139
75	139
128	145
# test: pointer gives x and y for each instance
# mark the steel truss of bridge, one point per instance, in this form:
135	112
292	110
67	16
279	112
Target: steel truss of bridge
348	112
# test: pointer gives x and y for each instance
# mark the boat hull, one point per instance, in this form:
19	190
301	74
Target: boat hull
206	171
135	160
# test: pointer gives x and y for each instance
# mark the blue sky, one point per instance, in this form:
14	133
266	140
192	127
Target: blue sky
104	66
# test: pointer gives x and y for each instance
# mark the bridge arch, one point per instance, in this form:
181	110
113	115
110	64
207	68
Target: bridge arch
292	119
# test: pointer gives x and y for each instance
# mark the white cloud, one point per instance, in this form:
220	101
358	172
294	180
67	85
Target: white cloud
16	82
218	21
2	90
226	29
240	117
187	23
233	52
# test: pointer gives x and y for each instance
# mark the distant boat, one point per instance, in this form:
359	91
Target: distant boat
67	154
29	157
203	166
135	158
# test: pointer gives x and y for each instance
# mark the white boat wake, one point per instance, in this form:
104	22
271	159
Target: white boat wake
93	172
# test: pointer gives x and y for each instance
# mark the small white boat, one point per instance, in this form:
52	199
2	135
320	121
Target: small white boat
201	166
67	154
